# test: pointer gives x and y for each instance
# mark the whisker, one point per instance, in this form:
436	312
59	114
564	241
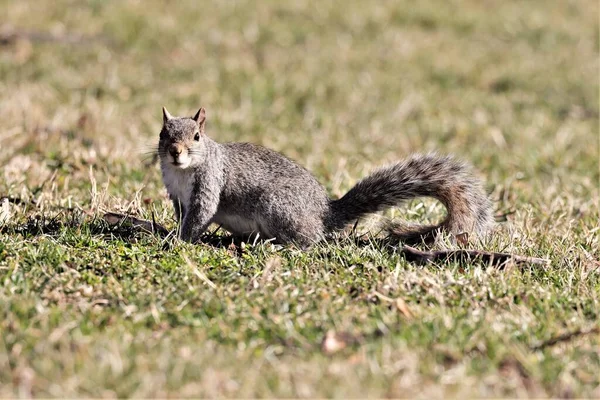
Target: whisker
147	146
150	153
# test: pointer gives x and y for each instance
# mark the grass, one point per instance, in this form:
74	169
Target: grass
86	310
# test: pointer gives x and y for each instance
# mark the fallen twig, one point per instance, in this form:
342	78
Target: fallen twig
566	337
144	225
9	35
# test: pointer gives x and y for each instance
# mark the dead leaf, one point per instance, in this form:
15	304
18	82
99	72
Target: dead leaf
403	308
4	211
334	342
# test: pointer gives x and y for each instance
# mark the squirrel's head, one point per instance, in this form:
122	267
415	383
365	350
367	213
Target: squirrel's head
181	142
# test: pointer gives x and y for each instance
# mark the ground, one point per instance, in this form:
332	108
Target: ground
85	310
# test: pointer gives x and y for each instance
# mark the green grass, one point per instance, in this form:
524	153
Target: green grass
86	310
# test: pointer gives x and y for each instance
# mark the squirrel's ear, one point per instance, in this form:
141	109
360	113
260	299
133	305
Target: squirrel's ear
200	118
166	115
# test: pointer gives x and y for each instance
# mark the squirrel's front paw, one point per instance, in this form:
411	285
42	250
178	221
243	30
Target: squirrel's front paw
190	235
186	234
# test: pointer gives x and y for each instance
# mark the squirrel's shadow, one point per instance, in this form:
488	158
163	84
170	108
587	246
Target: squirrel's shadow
122	227
421	256
71	220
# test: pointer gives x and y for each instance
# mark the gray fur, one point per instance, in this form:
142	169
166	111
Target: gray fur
249	190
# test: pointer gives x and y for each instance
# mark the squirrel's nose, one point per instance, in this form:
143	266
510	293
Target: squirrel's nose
175	151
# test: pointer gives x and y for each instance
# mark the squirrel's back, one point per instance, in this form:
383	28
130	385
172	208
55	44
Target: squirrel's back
284	198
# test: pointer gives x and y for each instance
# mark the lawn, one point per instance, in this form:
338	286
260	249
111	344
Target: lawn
87	310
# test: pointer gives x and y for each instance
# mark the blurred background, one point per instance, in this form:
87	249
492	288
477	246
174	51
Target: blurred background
341	87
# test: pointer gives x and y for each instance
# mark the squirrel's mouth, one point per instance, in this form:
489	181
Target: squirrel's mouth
179	164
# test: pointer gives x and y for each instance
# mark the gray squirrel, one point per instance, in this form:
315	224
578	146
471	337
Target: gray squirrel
251	190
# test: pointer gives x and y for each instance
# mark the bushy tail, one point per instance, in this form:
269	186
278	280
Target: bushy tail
442	177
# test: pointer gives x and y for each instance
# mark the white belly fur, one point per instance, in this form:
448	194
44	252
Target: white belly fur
179	183
237	224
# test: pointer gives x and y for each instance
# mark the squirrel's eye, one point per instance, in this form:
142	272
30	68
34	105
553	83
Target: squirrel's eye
197	136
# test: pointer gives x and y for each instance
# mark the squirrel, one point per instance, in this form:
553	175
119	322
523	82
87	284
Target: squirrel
252	190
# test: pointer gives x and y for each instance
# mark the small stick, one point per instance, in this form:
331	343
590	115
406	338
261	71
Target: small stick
566	336
9	36
496	259
147	226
